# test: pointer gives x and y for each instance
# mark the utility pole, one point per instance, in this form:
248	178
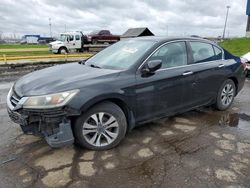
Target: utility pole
224	31
50	27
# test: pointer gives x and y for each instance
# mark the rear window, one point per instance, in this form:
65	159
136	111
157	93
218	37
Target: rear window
77	37
202	52
218	53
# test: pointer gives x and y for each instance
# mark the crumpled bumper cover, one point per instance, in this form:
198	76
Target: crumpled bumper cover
54	125
63	137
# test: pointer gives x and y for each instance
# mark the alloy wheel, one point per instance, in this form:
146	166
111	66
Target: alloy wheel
100	129
227	94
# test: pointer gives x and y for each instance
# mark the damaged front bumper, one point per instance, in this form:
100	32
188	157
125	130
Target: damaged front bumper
53	124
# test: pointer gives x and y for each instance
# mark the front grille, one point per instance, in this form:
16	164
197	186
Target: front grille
14	99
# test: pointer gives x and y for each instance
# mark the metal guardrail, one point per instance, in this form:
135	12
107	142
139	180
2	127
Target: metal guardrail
5	58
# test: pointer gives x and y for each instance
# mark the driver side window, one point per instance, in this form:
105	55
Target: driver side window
71	37
171	55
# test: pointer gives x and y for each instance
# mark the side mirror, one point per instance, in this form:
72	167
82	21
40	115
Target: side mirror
152	66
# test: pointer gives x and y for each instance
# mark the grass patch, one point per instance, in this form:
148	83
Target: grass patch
15	46
25	53
237	46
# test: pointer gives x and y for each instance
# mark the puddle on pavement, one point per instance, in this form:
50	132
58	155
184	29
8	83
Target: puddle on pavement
237	120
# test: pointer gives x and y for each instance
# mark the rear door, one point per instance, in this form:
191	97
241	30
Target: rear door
209	70
78	42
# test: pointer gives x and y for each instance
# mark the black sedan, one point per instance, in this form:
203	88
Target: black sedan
96	102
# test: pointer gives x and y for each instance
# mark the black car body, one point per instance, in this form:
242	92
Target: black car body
143	91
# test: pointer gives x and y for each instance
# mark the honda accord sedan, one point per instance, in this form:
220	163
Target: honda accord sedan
94	103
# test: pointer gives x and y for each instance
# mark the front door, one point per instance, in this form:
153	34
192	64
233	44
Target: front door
161	93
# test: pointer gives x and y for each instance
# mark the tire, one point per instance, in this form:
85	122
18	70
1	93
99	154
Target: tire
95	41
62	50
225	96
100	128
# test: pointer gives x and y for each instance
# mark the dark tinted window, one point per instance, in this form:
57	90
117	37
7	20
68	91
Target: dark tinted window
105	32
202	52
77	37
218	53
71	37
172	55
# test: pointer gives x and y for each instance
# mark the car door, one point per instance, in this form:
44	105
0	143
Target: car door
78	42
102	36
161	93
70	42
208	67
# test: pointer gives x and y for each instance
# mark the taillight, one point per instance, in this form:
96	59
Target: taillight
244	63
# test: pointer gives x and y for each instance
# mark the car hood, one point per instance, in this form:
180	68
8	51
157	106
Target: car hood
61	78
57	42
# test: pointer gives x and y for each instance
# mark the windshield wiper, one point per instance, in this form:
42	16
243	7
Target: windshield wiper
95	66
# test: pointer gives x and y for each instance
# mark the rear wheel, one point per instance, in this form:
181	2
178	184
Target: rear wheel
102	127
225	96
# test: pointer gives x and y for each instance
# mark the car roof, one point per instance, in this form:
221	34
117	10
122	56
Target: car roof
167	39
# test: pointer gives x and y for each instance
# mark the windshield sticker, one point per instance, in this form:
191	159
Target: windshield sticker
130	50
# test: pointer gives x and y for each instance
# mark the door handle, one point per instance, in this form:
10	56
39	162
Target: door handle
221	65
187	73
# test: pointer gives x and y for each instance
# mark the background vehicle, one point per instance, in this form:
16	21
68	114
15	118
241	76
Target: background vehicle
247	58
102	36
95	102
77	41
67	42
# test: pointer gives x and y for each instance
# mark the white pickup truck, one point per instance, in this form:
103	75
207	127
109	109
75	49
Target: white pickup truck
68	42
76	41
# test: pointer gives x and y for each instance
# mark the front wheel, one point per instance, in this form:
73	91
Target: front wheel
226	94
101	128
63	50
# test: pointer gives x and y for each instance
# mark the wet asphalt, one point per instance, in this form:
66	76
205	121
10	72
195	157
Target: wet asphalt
201	148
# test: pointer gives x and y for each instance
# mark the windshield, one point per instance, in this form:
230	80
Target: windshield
63	37
94	32
120	55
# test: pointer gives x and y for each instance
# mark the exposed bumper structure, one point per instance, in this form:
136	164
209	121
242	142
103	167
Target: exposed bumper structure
63	137
56	129
52	124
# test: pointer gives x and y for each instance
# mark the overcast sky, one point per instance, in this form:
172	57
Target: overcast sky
172	17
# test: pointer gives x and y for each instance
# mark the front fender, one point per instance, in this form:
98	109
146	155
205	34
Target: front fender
127	103
100	98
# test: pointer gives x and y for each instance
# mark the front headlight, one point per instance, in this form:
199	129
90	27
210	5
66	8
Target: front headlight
50	101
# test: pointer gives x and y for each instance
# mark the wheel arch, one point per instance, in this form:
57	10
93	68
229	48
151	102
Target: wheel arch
234	79
63	47
129	114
